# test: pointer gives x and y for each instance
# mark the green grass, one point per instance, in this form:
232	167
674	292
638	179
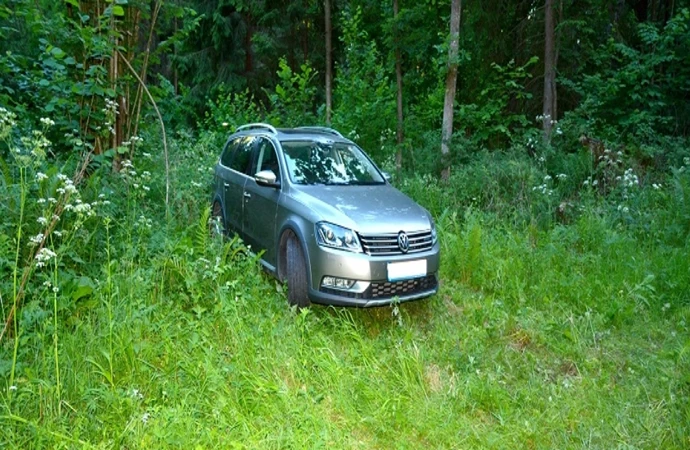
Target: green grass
543	335
528	345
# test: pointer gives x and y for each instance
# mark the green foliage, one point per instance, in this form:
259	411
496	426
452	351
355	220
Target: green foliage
364	101
68	83
293	101
156	326
637	91
493	121
562	319
228	111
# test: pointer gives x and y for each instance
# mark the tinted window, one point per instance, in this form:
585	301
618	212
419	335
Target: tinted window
226	157
267	158
242	156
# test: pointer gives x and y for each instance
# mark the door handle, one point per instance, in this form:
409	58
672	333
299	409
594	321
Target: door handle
247	195
227	185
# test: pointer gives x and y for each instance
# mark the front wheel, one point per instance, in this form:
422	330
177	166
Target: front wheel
296	274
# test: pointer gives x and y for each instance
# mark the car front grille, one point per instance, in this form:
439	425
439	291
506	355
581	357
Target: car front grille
387	244
402	288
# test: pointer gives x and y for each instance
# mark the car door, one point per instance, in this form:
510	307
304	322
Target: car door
261	202
234	170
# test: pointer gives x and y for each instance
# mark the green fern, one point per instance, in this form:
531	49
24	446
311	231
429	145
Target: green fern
202	238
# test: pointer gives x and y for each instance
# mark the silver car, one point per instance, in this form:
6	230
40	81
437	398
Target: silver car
329	222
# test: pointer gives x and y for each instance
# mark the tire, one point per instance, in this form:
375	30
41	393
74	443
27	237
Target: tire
298	294
216	226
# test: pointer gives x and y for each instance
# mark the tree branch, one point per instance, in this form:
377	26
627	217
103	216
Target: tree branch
165	142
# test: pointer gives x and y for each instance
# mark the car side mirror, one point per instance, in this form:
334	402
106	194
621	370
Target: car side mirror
266	178
388	177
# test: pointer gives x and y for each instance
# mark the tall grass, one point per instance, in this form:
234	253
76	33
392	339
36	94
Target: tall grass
550	330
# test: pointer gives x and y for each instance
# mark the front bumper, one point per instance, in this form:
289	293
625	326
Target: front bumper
372	273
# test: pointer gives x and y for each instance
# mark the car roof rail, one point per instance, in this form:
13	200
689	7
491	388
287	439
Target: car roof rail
322	129
261	125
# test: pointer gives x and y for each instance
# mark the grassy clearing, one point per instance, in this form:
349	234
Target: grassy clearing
529	344
544	335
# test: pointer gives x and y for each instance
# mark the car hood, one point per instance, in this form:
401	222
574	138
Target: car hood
365	209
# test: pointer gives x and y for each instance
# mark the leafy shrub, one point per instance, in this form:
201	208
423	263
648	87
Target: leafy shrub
636	93
364	102
230	110
294	98
491	121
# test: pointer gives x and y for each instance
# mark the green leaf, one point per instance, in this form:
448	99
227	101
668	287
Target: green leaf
118	10
57	52
74	3
84	287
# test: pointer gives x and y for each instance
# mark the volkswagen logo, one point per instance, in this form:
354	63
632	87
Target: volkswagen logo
403	242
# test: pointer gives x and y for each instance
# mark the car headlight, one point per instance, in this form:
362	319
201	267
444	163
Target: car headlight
434	235
334	236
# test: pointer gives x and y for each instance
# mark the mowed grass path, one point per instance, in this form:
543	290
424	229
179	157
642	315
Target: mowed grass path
516	351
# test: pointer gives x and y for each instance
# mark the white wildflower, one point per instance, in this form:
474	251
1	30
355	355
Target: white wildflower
43	256
136	394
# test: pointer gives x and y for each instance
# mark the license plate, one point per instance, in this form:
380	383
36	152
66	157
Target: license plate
406	270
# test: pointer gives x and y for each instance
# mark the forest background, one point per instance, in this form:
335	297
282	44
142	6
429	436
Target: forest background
558	175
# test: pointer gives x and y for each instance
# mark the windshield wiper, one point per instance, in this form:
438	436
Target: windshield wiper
368	183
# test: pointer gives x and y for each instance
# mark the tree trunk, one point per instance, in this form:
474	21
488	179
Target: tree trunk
398	76
329	75
451	80
305	39
144	69
641	10
549	72
175	74
115	136
248	54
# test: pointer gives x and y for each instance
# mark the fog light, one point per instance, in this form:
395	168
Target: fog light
337	283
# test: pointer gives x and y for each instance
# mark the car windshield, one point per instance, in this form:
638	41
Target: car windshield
312	162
